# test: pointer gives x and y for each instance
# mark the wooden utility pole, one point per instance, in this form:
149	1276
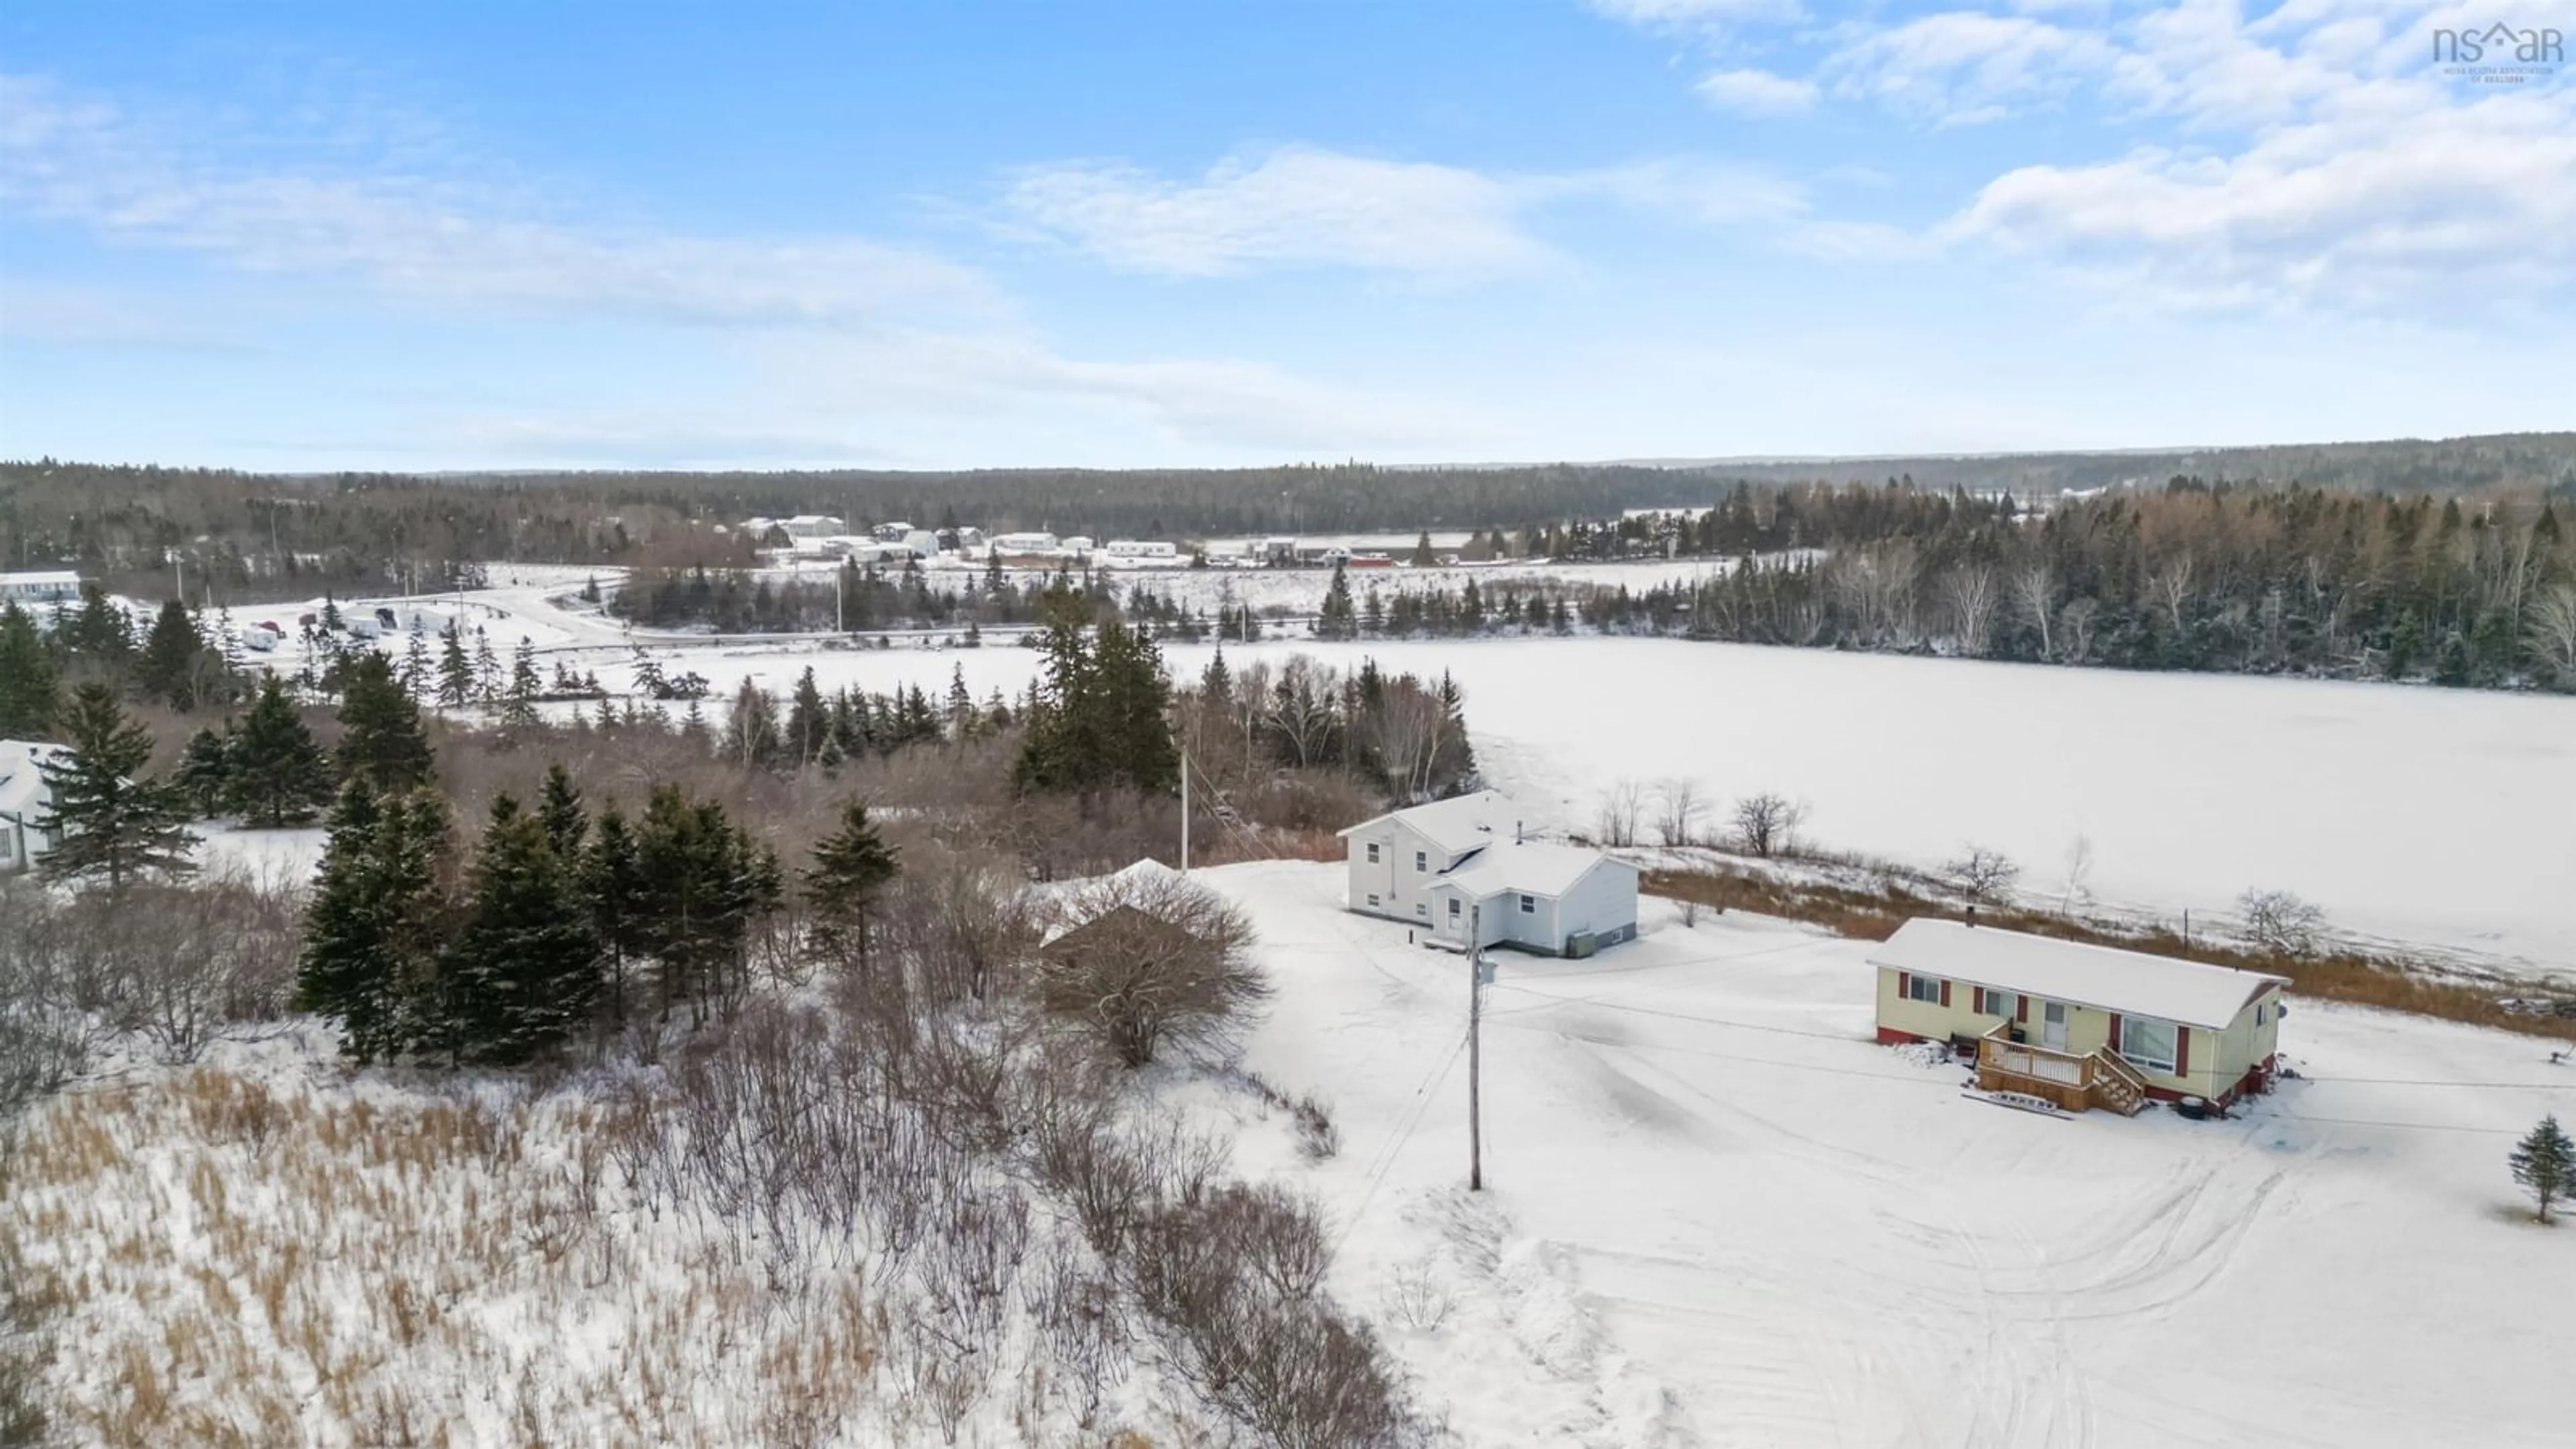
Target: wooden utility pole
1475	1048
1185	812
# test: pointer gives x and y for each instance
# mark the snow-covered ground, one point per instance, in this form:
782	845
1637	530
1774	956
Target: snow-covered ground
1718	1212
2419	817
2422	818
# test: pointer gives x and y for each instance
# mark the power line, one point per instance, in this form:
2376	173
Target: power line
1384	1163
1731	1056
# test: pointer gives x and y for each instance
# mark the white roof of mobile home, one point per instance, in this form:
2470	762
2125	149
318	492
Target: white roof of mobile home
1460	824
2104	977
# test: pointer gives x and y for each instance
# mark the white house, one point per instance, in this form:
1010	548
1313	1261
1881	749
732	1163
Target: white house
1140	550
25	804
1007	544
1463	868
46	586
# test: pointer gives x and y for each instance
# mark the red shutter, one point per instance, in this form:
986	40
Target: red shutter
2182	1050
2021	1012
1945	994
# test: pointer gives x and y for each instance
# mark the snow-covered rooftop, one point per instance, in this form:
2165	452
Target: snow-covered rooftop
1535	866
22	788
2104	977
1460	824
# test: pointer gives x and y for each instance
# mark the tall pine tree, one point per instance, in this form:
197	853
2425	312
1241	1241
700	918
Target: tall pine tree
279	776
851	866
27	677
115	825
2544	1162
167	668
383	743
523	973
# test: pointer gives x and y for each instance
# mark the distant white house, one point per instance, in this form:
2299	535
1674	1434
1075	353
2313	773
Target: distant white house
1078	543
1007	544
26	805
1138	550
1464	869
28	589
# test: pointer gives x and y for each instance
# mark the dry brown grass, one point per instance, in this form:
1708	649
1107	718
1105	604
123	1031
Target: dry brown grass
230	1258
1874	915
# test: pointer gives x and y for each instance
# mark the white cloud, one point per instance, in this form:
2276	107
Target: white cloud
1300	206
1757	92
1672	14
1295	206
79	162
1965	66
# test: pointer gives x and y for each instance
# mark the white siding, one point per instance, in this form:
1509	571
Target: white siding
1398	886
1602	902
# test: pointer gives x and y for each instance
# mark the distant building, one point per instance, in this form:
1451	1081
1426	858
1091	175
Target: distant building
1007	544
28	589
1078	543
1140	549
26	805
1463	869
2079	1025
812	525
890	532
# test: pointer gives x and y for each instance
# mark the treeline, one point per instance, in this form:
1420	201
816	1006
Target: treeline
737	601
272	535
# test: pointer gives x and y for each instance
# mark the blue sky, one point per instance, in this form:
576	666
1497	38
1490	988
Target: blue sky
764	235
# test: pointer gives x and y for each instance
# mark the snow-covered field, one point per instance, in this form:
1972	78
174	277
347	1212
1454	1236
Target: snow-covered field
1720	1213
2422	817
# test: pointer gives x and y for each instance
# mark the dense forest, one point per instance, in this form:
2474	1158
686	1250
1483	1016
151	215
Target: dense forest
249	535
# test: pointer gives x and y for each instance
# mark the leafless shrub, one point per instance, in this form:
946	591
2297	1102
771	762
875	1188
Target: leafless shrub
1981	874
1623	808
1678	812
1317	1137
1320	1382
1766	824
1153	961
2280	921
1417	1300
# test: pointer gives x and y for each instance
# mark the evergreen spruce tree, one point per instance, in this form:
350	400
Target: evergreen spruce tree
525	685
415	671
1135	698
98	632
28	680
378	924
615	891
383	740
1338	619
278	775
559	807
809	720
523	972
1217	681
455	670
205	774
115	825
167	667
851	865
332	623
2544	1162
487	668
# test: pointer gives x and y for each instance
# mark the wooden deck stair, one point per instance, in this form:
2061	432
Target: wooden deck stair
2116	1085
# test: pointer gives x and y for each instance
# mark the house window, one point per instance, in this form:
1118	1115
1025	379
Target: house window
1529	905
1421	861
1372	900
1372	852
1994	1003
1422	908
1923	988
2148	1043
1453	908
2259	1009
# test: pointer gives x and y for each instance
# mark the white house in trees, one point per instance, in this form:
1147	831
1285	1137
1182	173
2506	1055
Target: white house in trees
26	805
1465	867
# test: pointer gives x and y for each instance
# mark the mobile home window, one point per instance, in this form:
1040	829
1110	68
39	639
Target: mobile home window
1923	988
2148	1043
1994	1003
1529	905
1372	852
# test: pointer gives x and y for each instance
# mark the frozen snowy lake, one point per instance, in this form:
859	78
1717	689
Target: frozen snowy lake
2432	817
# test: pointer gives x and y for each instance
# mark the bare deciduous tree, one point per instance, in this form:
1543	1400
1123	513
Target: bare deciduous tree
1766	824
1623	809
1982	874
2034	596
1677	818
2550	632
1974	599
1153	961
2280	921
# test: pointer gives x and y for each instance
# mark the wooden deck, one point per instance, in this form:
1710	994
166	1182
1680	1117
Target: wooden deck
2075	1083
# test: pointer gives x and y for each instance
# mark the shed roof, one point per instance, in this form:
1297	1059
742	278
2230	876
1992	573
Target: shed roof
1533	866
2107	978
1459	824
22	786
